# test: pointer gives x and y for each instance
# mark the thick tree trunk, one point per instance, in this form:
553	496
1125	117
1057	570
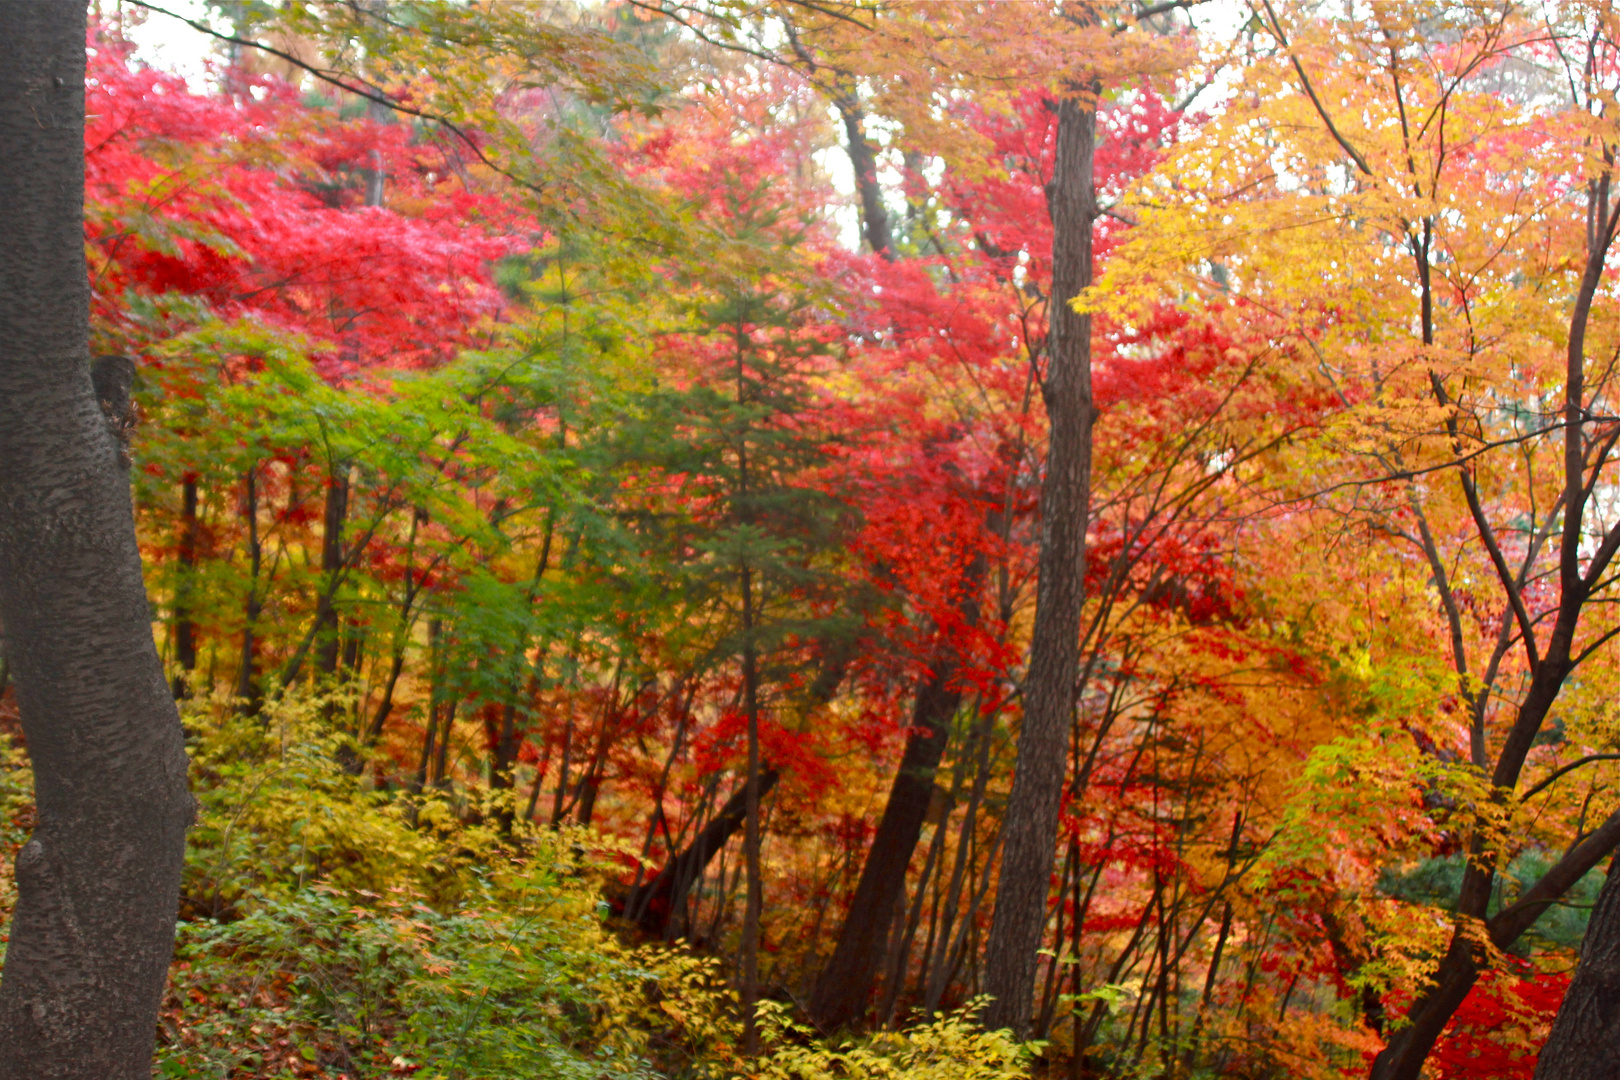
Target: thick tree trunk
98	884
846	982
1585	1039
1030	831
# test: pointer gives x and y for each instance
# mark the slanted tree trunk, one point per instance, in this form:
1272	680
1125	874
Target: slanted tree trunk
874	215
844	94
1585	1039
845	985
98	884
1030	830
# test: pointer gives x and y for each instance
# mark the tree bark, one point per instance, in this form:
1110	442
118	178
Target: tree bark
656	903
754	901
185	633
333	563
248	694
845	984
1585	1039
1030	831
874	215
98	883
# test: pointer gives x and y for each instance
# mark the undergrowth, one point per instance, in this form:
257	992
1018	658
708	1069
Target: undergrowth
333	930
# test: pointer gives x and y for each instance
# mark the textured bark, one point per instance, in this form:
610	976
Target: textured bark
1030	828
249	696
98	883
754	899
845	985
1585	1039
655	904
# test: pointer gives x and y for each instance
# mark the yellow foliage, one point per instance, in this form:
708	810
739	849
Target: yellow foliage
953	1047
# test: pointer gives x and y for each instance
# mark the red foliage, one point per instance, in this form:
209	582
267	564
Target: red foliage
1498	1030
250	202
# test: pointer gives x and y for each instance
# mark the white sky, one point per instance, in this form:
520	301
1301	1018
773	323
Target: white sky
170	44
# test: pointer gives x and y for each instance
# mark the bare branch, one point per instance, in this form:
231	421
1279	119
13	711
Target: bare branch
1310	92
333	79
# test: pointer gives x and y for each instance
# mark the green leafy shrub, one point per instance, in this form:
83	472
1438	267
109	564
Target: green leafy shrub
522	980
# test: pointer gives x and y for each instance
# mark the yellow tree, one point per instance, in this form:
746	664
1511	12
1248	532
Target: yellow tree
1421	194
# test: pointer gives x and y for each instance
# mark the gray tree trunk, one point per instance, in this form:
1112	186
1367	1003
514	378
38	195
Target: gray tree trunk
98	883
1030	825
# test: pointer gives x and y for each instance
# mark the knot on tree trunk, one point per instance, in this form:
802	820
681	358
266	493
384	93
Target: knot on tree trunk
114	379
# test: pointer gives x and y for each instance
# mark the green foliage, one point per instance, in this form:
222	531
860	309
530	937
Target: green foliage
357	932
339	930
522	980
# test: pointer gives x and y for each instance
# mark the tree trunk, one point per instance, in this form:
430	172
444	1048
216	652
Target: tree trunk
846	982
332	563
655	904
441	764
845	97
98	884
754	901
874	215
1585	1039
248	694
185	634
1030	831
937	963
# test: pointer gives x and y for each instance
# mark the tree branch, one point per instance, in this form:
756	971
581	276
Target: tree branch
1544	784
1310	92
1506	925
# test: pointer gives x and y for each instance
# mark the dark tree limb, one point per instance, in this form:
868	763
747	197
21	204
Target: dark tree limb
654	905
